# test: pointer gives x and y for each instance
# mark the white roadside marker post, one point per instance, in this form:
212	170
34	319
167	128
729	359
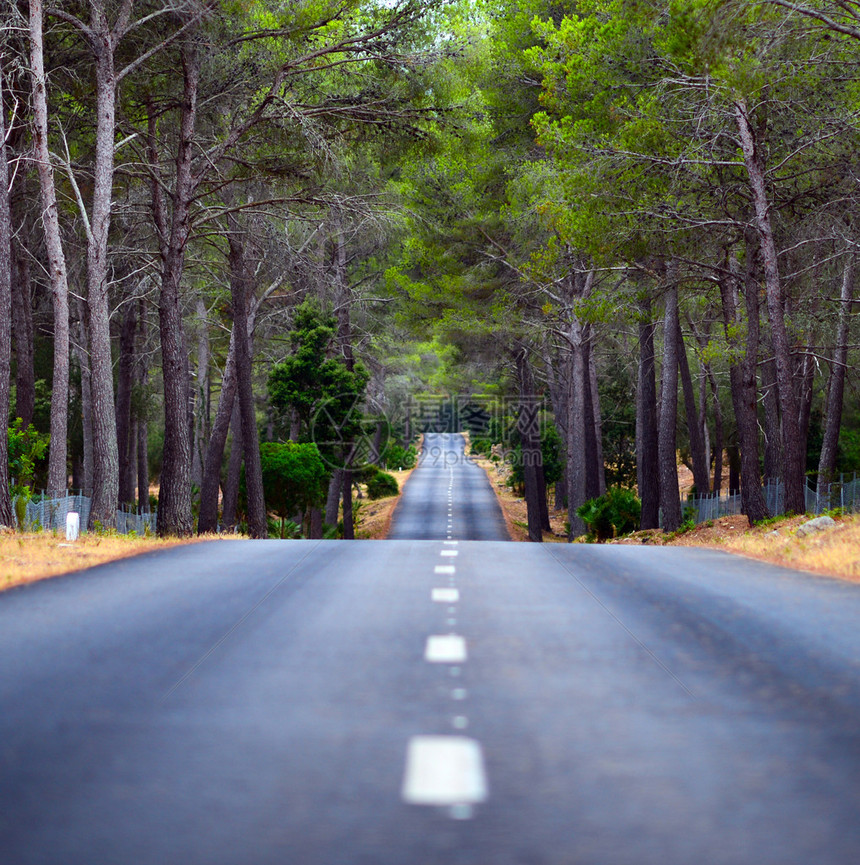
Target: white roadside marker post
73	525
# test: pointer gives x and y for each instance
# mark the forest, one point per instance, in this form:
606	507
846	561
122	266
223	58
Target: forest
249	249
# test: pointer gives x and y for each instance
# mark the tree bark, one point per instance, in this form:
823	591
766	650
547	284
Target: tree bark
648	478
598	416
201	397
528	429
234	469
742	376
208	518
348	520
22	328
770	402
141	374
836	385
670	500
174	502
81	343
257	524
794	458
576	433
105	449
125	432
718	442
333	498
5	313
701	470
593	463
57	454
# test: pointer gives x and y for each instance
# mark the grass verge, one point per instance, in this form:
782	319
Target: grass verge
31	556
833	552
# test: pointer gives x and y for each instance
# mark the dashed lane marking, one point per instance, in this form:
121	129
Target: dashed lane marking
444	770
444	569
446	596
449	553
445	649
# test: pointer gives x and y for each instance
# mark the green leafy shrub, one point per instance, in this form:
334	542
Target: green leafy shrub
399	457
294	478
382	484
614	513
481	446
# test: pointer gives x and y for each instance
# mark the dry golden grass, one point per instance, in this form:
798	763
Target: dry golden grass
27	557
834	552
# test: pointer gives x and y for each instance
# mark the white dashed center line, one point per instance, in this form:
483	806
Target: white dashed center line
446	596
444	770
445	649
449	553
444	569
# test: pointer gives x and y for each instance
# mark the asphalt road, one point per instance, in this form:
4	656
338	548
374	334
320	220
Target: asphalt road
280	703
447	496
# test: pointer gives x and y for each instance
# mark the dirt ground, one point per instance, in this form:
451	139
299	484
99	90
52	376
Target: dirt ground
374	516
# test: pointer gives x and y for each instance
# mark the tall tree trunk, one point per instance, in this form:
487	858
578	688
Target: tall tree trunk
174	502
794	458
647	473
333	498
201	398
125	432
598	417
142	432
22	328
105	449
558	393
257	525
806	381
770	402
742	376
348	518
670	500
718	442
81	343
234	469
5	313
57	455
593	463
701	472
836	385
576	433
529	433
208	518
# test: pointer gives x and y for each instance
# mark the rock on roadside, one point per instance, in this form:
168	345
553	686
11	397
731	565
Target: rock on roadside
819	524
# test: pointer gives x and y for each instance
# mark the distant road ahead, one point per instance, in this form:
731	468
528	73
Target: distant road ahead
448	496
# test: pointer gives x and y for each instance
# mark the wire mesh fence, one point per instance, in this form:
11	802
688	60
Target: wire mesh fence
46	514
844	493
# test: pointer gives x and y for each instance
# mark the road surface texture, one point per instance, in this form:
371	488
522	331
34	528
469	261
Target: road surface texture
447	496
283	703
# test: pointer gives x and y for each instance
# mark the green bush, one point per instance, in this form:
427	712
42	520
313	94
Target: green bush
481	446
382	484
612	514
398	457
